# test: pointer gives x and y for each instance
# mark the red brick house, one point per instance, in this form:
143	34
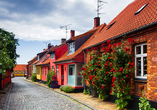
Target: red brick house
70	64
139	22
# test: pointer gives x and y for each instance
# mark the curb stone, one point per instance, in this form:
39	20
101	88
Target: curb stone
64	95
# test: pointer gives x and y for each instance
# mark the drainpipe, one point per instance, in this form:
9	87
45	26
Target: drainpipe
84	82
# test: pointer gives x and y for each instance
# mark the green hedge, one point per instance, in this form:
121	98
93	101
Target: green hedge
33	78
67	89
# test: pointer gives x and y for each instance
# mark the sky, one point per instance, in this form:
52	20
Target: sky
37	22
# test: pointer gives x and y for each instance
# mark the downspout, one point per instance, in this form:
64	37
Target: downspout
84	82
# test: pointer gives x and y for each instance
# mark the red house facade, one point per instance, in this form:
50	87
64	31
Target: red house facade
139	22
56	53
70	64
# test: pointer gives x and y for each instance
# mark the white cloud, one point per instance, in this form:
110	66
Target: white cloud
30	26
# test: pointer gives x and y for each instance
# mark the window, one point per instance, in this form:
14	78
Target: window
17	72
57	70
71	69
141	61
53	69
38	57
43	71
52	56
21	72
138	11
71	48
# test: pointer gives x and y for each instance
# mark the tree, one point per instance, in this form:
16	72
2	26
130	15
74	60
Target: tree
8	54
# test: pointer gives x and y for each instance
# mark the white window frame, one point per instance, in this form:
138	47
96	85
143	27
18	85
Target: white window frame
52	56
71	48
141	56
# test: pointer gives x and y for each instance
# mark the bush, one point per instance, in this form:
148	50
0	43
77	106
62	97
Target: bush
49	77
61	88
33	78
67	88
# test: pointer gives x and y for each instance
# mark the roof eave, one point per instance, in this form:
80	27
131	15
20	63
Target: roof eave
116	37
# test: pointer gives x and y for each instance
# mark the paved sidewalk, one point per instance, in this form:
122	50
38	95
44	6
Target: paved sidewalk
88	100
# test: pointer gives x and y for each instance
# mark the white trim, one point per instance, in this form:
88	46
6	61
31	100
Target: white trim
142	55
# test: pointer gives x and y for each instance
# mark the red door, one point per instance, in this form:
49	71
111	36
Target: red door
62	74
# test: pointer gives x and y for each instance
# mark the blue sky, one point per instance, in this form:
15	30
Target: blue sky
36	21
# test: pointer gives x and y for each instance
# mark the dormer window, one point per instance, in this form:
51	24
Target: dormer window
71	48
52	56
38	57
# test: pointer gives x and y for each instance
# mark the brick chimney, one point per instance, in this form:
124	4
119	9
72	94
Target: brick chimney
72	33
49	45
63	40
96	22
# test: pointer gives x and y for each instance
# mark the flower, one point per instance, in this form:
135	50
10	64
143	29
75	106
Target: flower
102	87
109	41
98	78
121	69
78	73
103	44
95	69
119	43
107	72
122	79
127	76
87	50
121	89
111	92
113	85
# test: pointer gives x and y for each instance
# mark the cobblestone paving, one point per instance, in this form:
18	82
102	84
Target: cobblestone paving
24	95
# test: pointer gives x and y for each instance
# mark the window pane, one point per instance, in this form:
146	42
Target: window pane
138	66
138	50
144	48
71	70
57	70
144	66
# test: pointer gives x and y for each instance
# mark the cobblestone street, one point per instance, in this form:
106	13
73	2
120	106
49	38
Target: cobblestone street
24	95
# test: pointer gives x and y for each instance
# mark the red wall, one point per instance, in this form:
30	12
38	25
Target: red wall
6	80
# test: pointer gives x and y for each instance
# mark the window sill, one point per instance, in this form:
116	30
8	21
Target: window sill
140	80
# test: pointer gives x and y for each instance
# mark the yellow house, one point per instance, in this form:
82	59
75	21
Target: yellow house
19	70
38	73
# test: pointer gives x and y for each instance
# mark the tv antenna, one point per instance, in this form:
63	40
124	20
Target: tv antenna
66	28
99	4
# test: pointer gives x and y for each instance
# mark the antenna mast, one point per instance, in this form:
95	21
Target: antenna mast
99	4
66	29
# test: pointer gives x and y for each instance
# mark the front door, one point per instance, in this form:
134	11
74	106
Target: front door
62	74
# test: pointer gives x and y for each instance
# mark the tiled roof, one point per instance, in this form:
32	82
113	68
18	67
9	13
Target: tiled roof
33	60
20	68
66	57
126	21
44	60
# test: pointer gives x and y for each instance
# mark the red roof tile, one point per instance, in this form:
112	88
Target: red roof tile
20	68
127	21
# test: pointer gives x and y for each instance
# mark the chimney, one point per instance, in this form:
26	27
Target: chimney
63	40
49	45
96	22
72	34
